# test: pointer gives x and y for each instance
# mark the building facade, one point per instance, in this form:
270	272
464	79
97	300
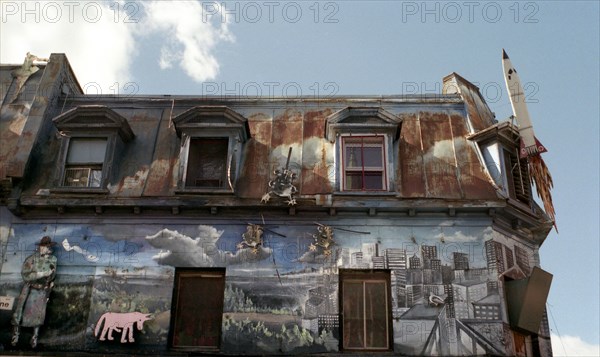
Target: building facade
268	226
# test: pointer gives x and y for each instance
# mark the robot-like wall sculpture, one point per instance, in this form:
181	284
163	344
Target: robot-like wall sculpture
283	184
252	238
323	240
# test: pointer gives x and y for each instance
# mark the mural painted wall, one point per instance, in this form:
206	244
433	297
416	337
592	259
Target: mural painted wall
281	292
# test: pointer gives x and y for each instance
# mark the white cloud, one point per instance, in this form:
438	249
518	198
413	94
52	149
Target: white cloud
101	38
99	49
190	36
457	236
573	346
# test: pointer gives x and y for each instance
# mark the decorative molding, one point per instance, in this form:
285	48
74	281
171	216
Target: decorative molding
212	118
362	120
93	117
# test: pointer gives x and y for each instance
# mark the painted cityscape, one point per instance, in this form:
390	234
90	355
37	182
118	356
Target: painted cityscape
282	291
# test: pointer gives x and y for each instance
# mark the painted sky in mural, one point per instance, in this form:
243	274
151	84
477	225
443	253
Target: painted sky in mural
285	248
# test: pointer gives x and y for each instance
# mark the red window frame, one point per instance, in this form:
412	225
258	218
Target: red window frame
364	171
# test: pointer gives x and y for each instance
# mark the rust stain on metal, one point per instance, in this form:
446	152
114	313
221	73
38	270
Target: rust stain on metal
474	182
410	170
255	173
287	128
438	156
162	175
317	158
314	122
317	167
481	117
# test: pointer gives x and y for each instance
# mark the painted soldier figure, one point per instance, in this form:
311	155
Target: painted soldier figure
38	273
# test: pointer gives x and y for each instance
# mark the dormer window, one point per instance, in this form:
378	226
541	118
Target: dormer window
212	139
364	139
91	135
499	147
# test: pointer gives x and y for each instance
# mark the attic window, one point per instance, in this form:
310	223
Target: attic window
364	138
91	134
499	145
212	139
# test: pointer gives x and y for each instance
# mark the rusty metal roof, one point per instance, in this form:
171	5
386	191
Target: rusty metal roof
432	157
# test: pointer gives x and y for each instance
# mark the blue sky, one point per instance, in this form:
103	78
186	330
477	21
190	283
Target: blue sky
358	47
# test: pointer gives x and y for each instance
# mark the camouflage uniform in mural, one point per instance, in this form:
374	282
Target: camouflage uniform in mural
38	273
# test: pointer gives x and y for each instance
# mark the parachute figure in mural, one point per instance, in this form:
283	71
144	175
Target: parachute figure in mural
38	273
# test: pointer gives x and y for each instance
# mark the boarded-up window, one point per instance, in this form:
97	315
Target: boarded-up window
365	310
207	163
85	160
197	308
364	163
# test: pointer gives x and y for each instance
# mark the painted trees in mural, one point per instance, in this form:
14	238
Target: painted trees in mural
123	323
38	273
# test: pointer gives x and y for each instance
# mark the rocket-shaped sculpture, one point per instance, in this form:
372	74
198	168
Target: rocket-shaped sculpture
530	146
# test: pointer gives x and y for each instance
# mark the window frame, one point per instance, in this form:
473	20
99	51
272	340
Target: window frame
344	169
364	276
494	145
233	158
211	122
104	164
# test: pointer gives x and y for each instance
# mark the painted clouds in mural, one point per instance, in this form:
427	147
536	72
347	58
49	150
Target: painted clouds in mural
202	251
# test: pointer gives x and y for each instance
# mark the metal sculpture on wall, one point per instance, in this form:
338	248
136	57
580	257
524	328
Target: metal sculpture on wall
120	322
252	238
38	273
323	239
282	185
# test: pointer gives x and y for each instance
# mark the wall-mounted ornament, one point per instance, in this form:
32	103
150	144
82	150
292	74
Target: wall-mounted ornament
283	184
252	238
323	240
120	322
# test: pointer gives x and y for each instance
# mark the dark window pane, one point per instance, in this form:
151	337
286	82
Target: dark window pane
207	163
373	157
354	180
373	180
